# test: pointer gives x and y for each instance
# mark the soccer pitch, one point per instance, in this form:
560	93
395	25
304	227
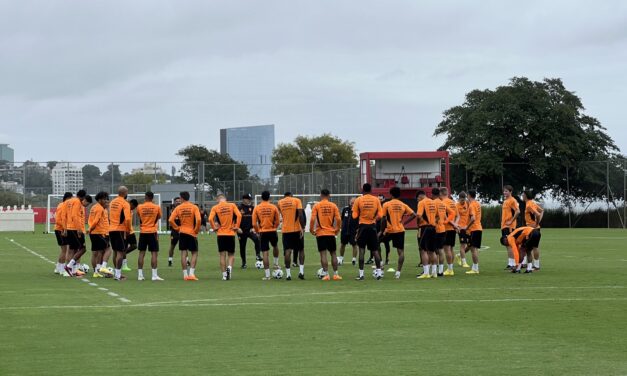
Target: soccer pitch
568	319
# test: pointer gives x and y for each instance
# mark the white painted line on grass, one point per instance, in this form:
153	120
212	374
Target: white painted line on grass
52	262
93	284
369	302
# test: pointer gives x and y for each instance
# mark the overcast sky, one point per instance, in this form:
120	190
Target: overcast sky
138	80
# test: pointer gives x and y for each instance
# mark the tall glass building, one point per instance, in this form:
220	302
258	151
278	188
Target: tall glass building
251	146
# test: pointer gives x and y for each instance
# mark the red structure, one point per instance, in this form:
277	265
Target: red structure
410	171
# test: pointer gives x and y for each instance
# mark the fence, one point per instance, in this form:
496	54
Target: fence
580	195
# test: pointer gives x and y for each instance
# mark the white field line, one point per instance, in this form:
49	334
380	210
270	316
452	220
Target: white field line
370	302
122	299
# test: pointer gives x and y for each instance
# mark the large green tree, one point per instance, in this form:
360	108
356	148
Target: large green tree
218	168
527	133
325	152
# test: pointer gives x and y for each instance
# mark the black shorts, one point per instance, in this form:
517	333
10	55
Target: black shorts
226	243
291	241
188	243
504	234
348	238
61	240
464	238
439	239
174	238
475	239
74	241
397	239
118	243
131	239
99	242
268	239
533	241
326	243
367	237
427	239
149	241
449	238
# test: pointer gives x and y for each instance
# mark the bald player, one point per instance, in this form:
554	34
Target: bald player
225	219
325	225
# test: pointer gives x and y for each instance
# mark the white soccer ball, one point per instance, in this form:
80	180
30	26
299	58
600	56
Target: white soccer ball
259	265
320	273
84	268
277	274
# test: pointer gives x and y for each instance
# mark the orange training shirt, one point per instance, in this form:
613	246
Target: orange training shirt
98	220
120	215
59	217
474	209
509	209
289	208
532	209
367	208
462	211
189	216
74	215
265	217
427	212
325	219
149	214
228	218
394	211
451	214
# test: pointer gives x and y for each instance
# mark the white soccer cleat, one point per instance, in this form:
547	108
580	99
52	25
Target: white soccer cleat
141	278
157	278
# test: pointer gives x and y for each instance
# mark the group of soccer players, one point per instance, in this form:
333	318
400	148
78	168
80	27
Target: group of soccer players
364	225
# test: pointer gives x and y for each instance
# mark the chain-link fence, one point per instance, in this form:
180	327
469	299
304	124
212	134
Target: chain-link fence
585	194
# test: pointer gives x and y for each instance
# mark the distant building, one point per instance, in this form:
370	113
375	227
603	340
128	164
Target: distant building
149	168
66	178
251	146
11	186
6	153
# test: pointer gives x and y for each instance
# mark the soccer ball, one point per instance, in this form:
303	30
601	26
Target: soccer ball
277	274
259	264
320	273
84	268
374	273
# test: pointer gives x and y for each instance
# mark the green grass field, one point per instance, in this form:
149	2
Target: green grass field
568	319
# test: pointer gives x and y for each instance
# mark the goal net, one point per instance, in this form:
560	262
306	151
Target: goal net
309	200
55	200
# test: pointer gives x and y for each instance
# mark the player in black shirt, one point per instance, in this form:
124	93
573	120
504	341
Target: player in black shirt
174	235
246	208
349	230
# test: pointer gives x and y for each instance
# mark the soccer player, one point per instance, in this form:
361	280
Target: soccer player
174	235
246	210
203	219
98	230
450	226
462	223
75	230
325	225
524	239
383	239
59	229
368	210
533	216
131	239
119	229
394	227
440	228
291	210
510	212
149	215
265	223
225	219
348	232
188	216
428	215
475	230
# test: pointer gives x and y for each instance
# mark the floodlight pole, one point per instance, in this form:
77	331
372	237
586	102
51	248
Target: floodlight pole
607	190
